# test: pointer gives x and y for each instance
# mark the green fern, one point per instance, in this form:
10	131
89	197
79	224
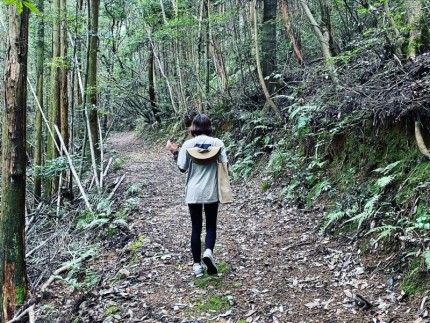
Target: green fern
385	231
368	211
335	216
385	170
384	181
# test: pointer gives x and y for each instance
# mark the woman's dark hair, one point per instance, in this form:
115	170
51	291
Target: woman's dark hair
201	125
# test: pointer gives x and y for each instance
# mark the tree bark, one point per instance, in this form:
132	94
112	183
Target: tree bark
40	48
269	101
51	185
414	10
92	86
64	101
268	43
296	48
13	278
323	40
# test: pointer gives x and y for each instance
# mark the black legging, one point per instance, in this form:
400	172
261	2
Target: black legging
211	212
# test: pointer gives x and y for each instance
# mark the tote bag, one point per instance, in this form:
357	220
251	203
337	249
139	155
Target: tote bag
225	194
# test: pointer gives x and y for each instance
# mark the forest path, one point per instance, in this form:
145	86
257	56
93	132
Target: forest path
275	266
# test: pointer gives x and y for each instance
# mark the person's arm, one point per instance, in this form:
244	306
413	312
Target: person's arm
174	149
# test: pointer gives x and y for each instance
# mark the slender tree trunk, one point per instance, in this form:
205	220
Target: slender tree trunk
326	11
323	40
92	87
151	90
13	278
207	46
268	44
414	9
269	101
296	48
54	107
64	101
40	48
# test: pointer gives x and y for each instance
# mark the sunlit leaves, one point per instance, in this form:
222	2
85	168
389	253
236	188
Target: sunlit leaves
21	4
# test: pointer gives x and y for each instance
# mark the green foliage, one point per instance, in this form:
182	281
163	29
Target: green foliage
82	279
118	164
112	309
215	281
138	243
134	190
97	218
384	232
215	304
316	191
20	4
53	168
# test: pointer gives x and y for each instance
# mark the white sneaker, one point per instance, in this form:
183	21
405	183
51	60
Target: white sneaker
198	269
209	261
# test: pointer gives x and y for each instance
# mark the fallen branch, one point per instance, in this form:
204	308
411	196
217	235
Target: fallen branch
63	269
29	310
116	187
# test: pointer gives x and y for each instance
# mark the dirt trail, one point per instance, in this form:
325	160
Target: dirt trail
275	265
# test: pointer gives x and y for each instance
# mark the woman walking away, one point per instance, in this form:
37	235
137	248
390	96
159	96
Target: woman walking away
201	190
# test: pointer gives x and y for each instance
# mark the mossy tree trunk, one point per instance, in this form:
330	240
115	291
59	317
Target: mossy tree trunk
38	145
415	22
13	277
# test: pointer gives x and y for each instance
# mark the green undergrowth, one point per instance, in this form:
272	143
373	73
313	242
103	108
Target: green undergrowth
371	180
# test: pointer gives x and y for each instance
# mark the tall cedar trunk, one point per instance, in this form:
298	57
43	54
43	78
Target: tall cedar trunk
13	277
40	48
92	91
51	186
268	43
64	101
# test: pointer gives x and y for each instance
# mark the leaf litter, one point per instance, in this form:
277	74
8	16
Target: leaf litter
277	267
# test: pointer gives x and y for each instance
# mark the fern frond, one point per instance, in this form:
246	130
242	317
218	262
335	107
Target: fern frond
368	211
384	181
384	231
331	218
385	170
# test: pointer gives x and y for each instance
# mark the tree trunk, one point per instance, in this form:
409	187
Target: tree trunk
92	87
414	11
40	48
296	48
154	108
64	101
323	40
13	278
268	43
269	101
326	11
51	185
